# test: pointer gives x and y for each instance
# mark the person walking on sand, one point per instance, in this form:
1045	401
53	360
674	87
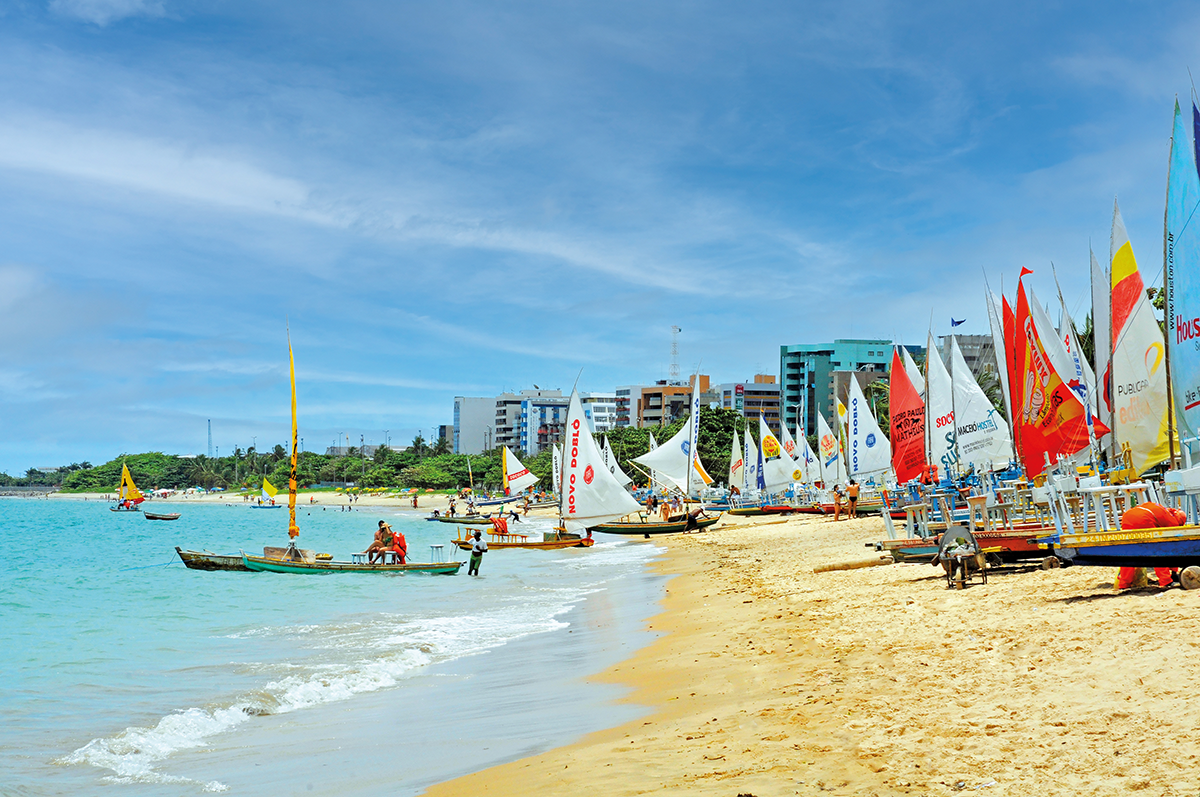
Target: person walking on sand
837	502
852	497
477	552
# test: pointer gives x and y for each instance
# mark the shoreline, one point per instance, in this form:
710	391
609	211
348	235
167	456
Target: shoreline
771	679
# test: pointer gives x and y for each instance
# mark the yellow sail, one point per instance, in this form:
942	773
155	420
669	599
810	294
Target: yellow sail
293	529
128	489
268	489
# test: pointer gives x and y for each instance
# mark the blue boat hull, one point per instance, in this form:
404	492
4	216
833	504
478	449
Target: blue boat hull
1180	553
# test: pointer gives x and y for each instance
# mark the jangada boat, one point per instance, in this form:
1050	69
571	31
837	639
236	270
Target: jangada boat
648	527
128	496
262	564
207	560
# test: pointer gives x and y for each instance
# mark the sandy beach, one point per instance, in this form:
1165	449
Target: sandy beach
770	679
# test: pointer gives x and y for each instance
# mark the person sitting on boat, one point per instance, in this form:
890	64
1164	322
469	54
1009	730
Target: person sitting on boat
383	541
399	545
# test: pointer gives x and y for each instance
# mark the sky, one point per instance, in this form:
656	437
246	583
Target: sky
463	198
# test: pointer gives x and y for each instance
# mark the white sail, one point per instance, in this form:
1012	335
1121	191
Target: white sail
833	470
516	476
939	413
669	462
996	321
556	460
808	462
983	438
653	476
1102	337
750	461
1086	389
590	494
610	460
870	453
778	467
799	469
735	462
914	373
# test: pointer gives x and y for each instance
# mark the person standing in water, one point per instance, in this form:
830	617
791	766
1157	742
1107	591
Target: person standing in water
477	552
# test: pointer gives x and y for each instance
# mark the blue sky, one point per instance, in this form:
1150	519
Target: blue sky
462	198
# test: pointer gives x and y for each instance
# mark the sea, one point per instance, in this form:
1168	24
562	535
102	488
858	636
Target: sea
125	673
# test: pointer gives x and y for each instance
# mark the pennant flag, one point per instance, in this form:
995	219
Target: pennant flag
907	423
954	323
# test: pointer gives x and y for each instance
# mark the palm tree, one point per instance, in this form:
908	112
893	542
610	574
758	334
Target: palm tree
419	448
442	446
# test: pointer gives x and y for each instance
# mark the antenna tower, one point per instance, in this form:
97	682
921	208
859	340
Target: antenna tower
210	438
673	374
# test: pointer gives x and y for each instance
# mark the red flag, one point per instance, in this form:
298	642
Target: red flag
908	423
1025	271
1051	418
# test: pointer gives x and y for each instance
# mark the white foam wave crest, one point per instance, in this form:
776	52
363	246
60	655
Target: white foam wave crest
358	657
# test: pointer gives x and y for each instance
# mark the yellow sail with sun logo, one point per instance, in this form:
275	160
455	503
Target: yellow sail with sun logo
1136	390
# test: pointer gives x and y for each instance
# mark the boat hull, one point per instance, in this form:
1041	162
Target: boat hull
672	527
266	506
743	511
1169	547
260	564
197	560
160	516
546	545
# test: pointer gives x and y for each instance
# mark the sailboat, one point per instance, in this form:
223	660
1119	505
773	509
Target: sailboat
588	493
296	560
677	462
267	497
128	495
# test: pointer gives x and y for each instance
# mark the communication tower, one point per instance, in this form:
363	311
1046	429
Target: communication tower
210	438
673	374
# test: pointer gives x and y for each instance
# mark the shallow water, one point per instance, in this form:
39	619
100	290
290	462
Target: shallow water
127	672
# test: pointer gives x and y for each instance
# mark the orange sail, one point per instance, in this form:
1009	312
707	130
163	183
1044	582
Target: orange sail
907	423
1051	419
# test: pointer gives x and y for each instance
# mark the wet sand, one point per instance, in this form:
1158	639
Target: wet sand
770	679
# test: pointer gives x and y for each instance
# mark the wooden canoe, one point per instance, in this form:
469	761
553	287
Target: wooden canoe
469	520
752	510
261	564
544	545
207	560
160	515
647	528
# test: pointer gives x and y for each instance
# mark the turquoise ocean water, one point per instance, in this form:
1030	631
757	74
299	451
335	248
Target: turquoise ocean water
126	673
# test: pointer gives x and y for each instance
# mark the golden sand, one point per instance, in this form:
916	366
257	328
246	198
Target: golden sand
770	679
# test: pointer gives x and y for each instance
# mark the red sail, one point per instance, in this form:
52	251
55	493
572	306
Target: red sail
1052	419
1010	354
908	423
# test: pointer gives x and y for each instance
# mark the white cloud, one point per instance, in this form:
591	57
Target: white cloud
166	168
102	12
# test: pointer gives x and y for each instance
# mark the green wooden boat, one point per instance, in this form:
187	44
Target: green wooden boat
261	564
468	520
647	528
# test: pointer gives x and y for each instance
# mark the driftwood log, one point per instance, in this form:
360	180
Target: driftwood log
855	564
1189	577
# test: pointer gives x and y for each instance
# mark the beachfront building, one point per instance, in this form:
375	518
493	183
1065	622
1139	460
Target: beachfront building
529	421
750	399
807	385
979	351
473	418
627	397
659	404
600	410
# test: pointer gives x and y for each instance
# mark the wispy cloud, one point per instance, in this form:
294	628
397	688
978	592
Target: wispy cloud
102	12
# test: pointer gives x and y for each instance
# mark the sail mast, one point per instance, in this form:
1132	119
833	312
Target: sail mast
293	529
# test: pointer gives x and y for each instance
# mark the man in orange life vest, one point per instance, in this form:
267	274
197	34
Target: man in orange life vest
1149	516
